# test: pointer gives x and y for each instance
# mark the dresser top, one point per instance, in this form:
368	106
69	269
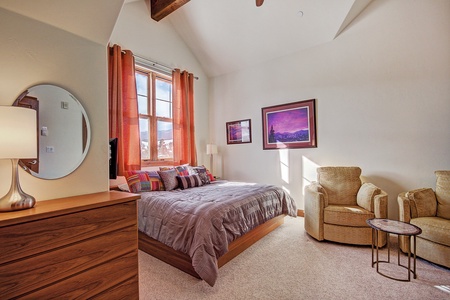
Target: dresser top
55	207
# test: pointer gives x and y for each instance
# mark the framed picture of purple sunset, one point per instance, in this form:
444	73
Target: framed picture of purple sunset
239	132
291	125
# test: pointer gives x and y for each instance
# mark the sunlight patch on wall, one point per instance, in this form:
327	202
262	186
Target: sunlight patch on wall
284	164
286	189
309	172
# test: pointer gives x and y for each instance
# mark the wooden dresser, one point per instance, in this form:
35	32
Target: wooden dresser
71	248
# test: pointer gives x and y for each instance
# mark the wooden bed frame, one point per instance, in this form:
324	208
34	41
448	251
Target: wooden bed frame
183	262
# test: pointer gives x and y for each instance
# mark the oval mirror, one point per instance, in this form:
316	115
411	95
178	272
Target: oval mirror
63	131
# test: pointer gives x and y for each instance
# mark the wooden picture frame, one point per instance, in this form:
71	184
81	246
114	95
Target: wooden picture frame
239	132
291	125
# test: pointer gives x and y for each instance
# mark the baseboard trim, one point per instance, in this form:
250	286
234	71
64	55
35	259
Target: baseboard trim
300	213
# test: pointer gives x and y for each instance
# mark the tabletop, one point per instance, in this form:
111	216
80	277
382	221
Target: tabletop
393	226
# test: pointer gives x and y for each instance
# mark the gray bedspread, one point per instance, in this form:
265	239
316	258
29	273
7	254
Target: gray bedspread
202	221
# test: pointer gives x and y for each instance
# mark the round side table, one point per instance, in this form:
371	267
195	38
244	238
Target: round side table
398	228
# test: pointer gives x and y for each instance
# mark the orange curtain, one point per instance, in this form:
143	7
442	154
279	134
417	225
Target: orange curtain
183	118
123	110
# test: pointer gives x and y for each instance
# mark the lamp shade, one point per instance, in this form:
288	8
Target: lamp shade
18	132
211	149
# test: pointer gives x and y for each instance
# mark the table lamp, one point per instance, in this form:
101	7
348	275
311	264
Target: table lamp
211	149
18	136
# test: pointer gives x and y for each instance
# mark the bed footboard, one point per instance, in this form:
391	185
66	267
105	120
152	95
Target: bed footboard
183	262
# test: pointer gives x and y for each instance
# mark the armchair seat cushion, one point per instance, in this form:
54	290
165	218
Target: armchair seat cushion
434	229
347	215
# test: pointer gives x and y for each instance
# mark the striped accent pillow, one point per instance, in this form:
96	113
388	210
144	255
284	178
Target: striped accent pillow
190	181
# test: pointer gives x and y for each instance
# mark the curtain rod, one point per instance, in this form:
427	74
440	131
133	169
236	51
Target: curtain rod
157	66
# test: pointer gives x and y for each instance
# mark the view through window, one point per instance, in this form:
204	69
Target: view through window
154	91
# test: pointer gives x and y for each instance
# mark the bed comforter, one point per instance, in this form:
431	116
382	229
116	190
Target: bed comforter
202	221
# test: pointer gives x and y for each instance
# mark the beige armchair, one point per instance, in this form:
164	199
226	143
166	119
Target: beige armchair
429	210
338	205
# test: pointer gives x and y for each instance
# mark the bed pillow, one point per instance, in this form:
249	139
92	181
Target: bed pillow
210	175
137	181
124	187
156	183
143	181
169	179
182	170
190	181
201	171
191	170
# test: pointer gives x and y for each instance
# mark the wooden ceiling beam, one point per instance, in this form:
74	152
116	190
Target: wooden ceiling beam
162	8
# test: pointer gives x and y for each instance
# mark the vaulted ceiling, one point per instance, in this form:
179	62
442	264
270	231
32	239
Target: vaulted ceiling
224	35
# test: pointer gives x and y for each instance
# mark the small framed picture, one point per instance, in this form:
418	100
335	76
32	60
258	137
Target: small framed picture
239	132
291	125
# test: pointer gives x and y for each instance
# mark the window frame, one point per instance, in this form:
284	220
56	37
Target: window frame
152	77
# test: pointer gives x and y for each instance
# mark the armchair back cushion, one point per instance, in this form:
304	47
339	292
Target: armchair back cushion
423	202
366	194
341	183
443	194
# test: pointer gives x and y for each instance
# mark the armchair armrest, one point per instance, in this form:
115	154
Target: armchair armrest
404	208
404	211
315	202
380	205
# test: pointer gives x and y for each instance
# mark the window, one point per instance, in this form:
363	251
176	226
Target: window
154	92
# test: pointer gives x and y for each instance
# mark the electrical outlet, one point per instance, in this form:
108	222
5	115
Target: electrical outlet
50	149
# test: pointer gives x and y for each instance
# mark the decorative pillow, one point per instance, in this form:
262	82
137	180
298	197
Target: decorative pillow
169	178
165	168
156	183
181	170
124	187
365	195
201	171
143	181
191	170
137	181
185	182
423	202
211	177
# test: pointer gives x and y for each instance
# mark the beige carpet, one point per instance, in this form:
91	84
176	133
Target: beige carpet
289	264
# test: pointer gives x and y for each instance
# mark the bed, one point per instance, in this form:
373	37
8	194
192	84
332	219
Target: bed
200	229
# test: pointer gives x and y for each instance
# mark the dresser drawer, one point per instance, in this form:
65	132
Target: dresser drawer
94	281
71	248
39	270
27	239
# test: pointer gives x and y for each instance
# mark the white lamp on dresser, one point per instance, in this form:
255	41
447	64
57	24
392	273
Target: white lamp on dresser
18	136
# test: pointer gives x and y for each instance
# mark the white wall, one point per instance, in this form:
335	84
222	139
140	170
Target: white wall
34	53
159	42
382	91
